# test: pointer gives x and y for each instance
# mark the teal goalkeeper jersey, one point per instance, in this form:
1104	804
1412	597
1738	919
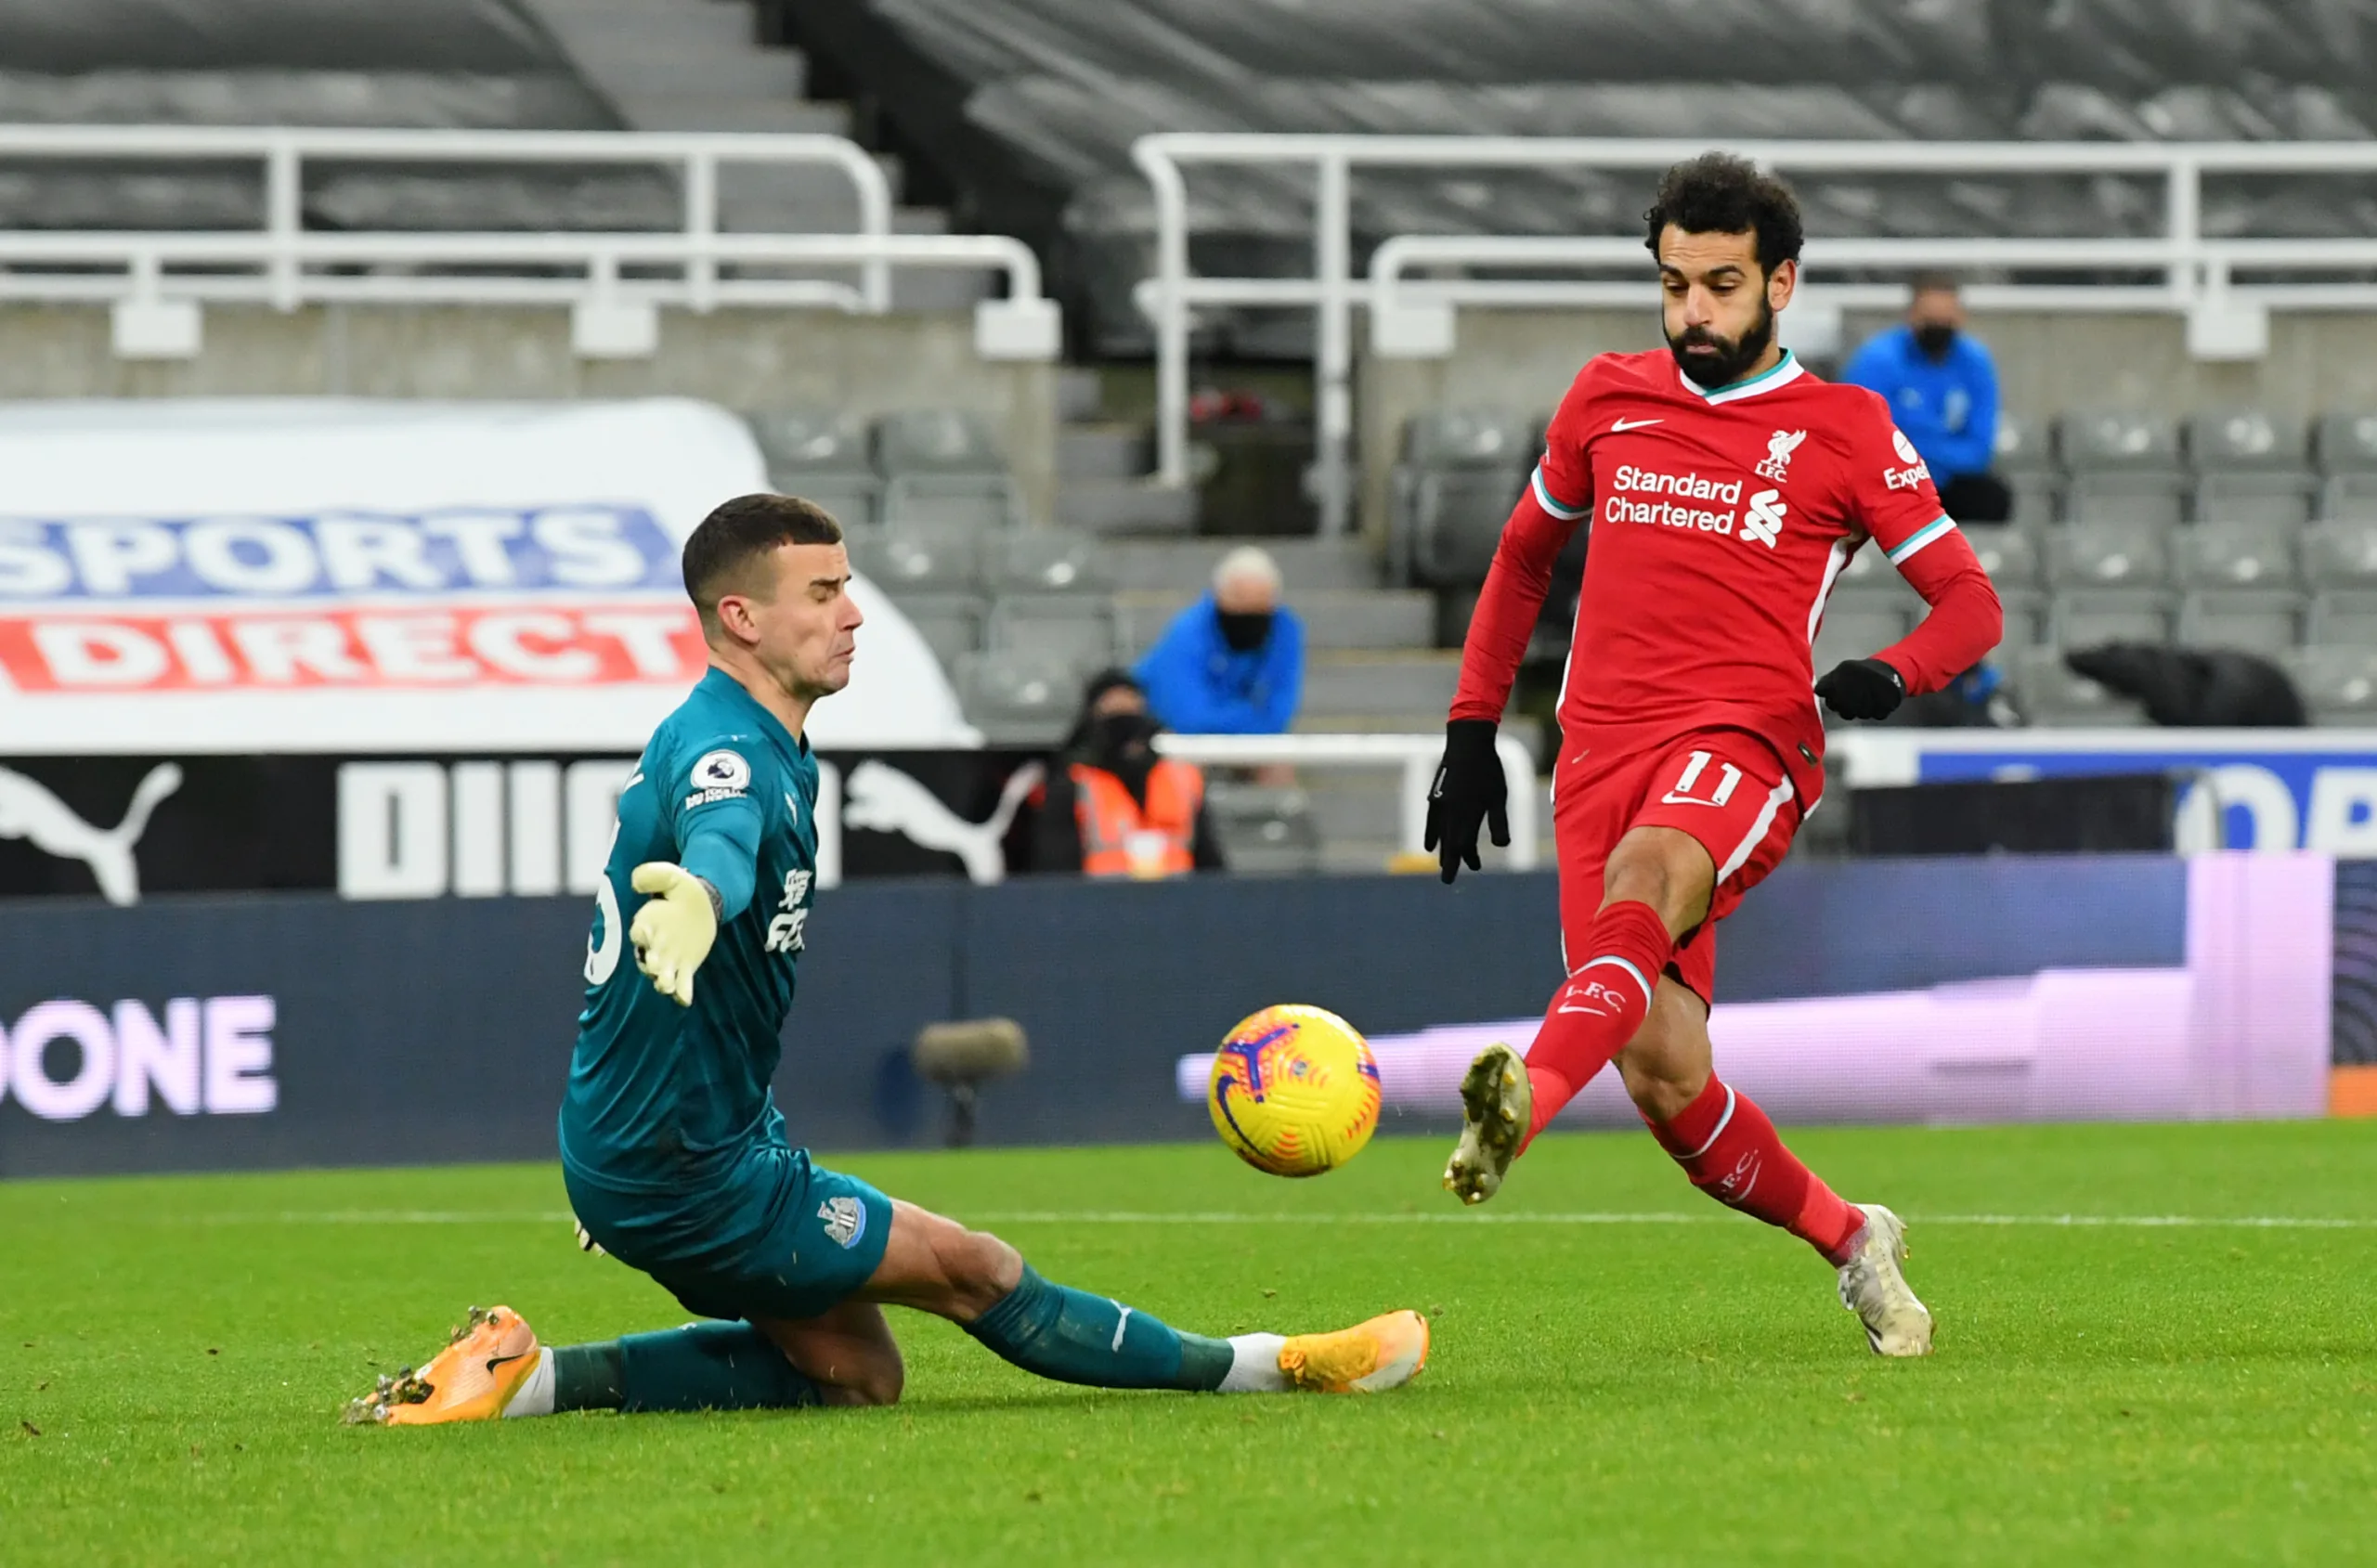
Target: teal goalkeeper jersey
660	1095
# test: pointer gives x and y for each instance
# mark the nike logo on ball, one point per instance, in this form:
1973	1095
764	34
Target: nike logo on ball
1618	425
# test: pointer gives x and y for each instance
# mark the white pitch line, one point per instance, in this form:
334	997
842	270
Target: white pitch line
1219	1217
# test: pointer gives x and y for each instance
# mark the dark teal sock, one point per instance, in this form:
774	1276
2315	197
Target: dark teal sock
701	1366
1074	1337
588	1376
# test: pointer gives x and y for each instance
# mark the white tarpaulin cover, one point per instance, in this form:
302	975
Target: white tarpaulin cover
351	576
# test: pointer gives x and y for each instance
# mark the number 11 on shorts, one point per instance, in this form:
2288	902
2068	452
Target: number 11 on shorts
1729	778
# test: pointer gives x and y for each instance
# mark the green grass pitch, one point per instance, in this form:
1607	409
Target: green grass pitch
1673	1384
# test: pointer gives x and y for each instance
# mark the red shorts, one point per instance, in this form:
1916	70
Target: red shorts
1724	787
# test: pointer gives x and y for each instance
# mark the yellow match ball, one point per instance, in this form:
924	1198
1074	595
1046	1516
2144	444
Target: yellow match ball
1294	1090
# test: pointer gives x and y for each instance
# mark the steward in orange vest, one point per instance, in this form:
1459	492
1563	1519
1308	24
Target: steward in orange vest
1111	805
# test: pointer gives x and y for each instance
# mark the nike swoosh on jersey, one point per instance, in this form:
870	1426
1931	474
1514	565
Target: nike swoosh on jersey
1616	425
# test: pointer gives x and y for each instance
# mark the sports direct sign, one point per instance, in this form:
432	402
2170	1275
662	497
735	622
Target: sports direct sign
492	566
302	575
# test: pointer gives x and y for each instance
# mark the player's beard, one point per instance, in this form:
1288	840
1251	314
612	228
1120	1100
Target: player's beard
1725	362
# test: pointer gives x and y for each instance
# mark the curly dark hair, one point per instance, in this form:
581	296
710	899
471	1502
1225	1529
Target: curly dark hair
1717	193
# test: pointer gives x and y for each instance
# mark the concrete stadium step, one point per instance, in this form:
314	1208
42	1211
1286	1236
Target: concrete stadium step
668	108
1333	619
1404	692
1306	564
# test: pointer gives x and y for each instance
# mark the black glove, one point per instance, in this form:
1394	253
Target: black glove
1862	689
1469	789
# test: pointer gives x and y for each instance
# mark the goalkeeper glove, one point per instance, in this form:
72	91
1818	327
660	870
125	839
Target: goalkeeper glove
672	934
1861	689
1469	789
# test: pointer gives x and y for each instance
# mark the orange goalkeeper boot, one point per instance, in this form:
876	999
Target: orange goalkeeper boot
1386	1352
472	1380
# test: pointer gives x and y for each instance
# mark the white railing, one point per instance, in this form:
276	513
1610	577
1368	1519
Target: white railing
2195	276
613	282
1415	756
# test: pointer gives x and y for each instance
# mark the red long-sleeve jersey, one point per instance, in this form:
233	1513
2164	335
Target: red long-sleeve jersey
1720	521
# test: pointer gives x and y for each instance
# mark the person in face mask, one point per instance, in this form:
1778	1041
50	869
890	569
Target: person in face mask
1111	805
1943	389
1231	663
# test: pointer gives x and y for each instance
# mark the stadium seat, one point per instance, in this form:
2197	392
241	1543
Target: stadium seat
1857	631
2038	498
2234	554
2349	498
1456	520
2023	447
1265	831
2248	441
2026	616
2010	555
2345	619
2256	620
944	465
1018	699
2340	554
2047	691
910	559
2109	441
2125	468
2156	499
974	501
2338	684
2347	443
2284	498
2084	617
1079	631
1443	438
2106	554
1045	561
951	623
935	441
820	458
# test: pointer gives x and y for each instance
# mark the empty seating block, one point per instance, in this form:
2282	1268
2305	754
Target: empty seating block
1856	629
2234	555
2347	443
2125	468
2339	685
912	559
2254	620
1018	699
821	458
1264	830
2084	617
951	623
2349	498
2346	618
1443	438
2049	693
1076	631
2106	554
1456	520
2252	467
942	465
2340	554
2010	555
1045	561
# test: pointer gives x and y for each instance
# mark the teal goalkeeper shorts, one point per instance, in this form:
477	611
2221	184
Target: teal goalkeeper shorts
779	1238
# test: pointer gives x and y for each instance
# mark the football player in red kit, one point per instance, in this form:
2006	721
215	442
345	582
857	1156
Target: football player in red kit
1725	487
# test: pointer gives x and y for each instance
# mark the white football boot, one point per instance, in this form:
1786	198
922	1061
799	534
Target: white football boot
1873	1286
1497	1103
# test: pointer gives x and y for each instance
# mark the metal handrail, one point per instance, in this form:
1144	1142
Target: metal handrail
280	263
2197	273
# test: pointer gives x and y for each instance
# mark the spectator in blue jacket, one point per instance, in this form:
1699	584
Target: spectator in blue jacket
1943	390
1232	663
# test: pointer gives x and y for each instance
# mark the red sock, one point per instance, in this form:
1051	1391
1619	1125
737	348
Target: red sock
1731	1151
1605	1000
